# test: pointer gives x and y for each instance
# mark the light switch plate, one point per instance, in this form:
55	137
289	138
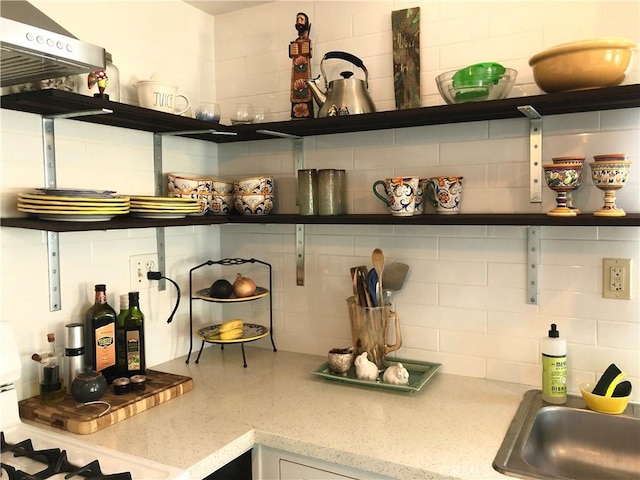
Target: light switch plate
616	278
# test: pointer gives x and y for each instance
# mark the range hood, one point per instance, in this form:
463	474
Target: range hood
34	47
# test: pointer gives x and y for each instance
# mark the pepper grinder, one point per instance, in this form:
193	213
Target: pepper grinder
73	352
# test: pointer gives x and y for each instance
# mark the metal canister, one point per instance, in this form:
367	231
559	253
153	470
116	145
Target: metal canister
73	352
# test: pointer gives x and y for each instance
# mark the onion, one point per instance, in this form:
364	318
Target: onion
243	286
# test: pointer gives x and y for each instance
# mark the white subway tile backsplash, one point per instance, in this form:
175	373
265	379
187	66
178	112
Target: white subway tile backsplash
464	300
513	371
619	334
489	346
442	318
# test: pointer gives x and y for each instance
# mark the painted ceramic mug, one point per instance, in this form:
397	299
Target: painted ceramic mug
400	194
445	193
420	196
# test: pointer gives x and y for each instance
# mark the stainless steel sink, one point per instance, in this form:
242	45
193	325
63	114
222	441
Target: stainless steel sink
570	442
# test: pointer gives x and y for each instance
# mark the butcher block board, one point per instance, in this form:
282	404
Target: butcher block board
76	417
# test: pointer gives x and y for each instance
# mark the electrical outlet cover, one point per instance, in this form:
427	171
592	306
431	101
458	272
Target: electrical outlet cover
139	265
616	278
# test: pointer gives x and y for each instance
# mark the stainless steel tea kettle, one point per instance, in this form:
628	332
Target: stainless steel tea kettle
345	96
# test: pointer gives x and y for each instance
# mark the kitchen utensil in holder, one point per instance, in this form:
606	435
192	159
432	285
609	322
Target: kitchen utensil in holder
369	331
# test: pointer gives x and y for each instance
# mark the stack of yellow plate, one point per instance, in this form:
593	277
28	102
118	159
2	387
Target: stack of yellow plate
73	205
164	207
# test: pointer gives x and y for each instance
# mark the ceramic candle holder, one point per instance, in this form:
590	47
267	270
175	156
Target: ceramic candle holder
609	176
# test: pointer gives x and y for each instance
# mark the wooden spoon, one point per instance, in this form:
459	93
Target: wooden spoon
377	257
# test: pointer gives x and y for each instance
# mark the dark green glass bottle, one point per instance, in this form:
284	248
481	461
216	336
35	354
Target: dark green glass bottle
134	333
121	338
100	335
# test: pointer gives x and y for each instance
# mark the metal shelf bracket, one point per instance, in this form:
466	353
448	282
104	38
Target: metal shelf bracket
533	257
50	181
298	153
535	152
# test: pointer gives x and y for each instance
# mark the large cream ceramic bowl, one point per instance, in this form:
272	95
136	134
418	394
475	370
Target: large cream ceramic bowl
586	64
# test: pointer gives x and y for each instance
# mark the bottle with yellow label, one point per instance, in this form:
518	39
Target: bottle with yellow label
100	333
554	367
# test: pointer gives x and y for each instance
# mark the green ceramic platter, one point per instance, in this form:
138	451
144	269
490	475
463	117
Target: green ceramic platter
419	375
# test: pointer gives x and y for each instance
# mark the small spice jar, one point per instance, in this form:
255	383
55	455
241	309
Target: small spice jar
138	383
121	386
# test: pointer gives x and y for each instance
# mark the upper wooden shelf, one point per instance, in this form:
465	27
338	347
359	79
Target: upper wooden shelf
52	102
124	222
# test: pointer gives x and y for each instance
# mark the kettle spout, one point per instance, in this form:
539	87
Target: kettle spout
319	96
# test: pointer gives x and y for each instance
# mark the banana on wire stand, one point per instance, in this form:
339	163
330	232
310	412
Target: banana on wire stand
229	330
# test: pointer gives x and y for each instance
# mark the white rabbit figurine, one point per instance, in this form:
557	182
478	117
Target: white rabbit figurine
396	375
365	370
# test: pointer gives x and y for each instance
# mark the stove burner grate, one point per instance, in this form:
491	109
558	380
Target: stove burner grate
56	463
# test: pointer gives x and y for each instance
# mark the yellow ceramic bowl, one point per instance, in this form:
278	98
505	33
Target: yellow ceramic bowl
600	62
598	403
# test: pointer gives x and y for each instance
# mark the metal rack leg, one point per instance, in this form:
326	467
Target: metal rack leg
244	358
272	342
200	352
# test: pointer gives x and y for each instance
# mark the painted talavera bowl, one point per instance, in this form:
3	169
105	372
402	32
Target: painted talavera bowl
221	204
254	204
254	185
609	176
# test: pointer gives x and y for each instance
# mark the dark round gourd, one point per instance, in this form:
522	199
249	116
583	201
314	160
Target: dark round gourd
221	289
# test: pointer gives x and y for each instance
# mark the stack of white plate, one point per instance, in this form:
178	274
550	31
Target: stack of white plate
164	207
72	205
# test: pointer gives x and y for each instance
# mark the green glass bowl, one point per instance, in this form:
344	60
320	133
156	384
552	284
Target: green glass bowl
479	73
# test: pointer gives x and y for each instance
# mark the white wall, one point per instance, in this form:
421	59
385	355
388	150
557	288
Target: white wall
464	303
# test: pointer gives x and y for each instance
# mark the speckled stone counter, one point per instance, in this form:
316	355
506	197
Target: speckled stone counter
450	429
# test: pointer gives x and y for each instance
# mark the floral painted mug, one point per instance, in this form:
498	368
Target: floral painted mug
400	194
445	193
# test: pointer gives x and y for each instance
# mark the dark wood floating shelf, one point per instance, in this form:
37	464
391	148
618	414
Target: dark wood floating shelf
56	102
583	220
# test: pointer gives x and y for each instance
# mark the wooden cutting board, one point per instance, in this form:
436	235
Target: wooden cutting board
83	419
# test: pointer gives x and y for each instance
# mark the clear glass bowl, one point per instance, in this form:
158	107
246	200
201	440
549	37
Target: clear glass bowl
477	88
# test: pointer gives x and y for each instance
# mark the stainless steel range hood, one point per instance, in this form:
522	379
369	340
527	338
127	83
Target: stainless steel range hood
34	47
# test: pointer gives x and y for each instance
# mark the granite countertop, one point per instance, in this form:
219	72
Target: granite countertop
452	428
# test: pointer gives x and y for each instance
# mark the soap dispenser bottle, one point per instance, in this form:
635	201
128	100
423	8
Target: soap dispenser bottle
554	367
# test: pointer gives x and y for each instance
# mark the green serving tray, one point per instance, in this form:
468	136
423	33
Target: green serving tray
419	375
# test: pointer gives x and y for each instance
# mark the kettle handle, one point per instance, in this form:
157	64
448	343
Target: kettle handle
347	57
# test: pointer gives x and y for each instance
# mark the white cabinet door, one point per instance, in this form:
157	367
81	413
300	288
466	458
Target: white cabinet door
271	464
296	471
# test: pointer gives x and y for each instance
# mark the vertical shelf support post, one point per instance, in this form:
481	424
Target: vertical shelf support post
298	152
50	181
53	244
533	258
158	190
535	152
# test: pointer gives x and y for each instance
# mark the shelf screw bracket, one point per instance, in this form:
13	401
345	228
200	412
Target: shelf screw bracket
300	255
533	257
535	152
50	181
298	152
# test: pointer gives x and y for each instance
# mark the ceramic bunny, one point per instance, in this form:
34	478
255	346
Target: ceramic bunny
396	375
365	370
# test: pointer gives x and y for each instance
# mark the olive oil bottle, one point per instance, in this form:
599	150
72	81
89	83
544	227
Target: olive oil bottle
134	336
100	335
121	342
